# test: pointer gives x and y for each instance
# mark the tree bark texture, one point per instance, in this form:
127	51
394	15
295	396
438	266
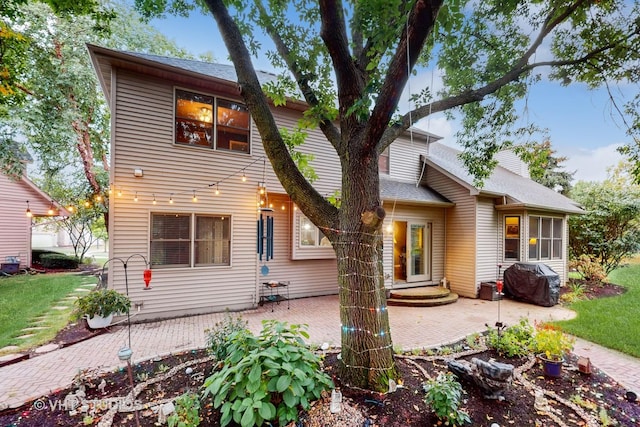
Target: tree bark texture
367	349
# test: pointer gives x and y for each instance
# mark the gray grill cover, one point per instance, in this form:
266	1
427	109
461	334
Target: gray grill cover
534	283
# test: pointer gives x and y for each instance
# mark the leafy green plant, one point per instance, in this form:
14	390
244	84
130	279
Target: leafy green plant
575	293
266	377
219	337
514	341
101	302
443	395
187	412
551	341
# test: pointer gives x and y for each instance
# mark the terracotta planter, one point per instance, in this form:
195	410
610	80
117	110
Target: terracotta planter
551	367
97	322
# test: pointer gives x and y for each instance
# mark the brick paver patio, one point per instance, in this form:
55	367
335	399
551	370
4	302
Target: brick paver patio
410	328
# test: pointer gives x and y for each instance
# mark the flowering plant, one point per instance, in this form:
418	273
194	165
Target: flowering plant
550	340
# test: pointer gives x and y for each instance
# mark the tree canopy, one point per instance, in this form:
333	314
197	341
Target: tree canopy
350	61
57	82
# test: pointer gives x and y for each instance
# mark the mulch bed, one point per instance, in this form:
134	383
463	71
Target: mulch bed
574	399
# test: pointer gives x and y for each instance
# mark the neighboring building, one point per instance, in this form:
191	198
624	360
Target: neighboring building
185	206
15	225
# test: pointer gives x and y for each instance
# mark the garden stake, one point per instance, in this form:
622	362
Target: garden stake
499	285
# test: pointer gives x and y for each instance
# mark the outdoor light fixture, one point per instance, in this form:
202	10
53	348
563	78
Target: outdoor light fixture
138	172
28	213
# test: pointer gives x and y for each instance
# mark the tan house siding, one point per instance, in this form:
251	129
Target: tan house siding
143	129
487	256
460	261
15	226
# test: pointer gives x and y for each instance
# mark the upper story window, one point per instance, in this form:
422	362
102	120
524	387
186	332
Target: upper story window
195	124
545	238
512	238
190	240
383	161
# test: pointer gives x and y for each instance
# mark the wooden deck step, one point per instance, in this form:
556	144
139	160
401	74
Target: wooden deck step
429	296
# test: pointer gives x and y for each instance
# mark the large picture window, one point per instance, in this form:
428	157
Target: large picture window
195	125
190	240
512	238
545	238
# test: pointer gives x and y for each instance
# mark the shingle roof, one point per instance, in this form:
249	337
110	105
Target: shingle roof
408	192
502	182
221	71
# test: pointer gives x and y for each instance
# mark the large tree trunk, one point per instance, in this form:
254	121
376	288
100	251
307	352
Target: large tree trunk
367	349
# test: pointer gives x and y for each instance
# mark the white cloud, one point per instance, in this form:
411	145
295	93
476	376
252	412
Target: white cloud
591	164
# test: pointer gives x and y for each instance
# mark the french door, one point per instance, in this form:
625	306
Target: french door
418	251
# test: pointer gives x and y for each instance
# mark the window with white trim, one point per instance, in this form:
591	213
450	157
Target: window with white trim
190	240
310	235
512	238
545	238
195	124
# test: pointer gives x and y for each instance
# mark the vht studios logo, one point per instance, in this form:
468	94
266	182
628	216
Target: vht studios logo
71	403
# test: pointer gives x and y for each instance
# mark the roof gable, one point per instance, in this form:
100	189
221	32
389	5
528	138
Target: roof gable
518	190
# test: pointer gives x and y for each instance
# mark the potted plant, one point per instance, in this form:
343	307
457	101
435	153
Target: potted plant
99	306
551	345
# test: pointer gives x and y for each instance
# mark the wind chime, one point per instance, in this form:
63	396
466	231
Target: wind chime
264	243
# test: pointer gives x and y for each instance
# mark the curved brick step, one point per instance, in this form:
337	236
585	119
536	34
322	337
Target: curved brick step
425	302
425	292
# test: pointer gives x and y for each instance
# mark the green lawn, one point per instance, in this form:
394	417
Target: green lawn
611	322
39	301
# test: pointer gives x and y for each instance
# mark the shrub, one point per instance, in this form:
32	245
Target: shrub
443	396
513	341
266	377
219	337
187	412
590	270
55	260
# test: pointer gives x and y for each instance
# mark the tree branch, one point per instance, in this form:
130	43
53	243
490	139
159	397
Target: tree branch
327	127
334	34
314	206
420	24
520	67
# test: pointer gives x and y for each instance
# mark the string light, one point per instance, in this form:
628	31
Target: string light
98	198
171	199
87	204
119	193
244	177
28	212
154	199
51	211
217	190
195	198
70	208
135	198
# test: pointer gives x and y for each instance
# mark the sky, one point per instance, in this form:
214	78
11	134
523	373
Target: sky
579	122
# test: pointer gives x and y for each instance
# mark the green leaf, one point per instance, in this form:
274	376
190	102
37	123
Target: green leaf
267	410
255	373
289	398
248	418
283	383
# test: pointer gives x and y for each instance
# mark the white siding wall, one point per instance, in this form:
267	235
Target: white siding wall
404	158
460	261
